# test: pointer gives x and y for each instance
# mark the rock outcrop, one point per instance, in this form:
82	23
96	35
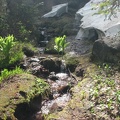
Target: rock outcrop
93	24
107	49
57	10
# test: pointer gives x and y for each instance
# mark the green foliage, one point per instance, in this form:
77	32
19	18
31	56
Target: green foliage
29	49
29	46
5	74
24	33
108	8
40	88
71	63
60	44
5	45
10	52
57	44
118	96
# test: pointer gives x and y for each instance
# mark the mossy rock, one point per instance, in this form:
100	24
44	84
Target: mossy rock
49	49
52	64
72	63
19	90
29	50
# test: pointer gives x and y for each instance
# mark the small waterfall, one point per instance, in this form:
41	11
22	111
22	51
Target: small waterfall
63	67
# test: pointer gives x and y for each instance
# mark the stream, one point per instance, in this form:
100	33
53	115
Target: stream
56	75
60	85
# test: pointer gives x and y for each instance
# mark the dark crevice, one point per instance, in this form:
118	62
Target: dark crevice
26	111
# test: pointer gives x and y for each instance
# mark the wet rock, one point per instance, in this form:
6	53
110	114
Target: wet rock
51	64
60	86
24	64
34	64
62	76
35	59
43	43
41	58
39	71
55	105
53	77
36	69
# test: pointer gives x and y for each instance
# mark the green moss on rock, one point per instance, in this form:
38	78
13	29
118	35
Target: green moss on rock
72	63
20	89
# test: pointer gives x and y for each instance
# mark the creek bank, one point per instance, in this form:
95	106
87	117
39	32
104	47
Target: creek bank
94	97
32	95
19	94
60	83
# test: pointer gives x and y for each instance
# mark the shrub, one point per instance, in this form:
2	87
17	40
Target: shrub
10	51
5	45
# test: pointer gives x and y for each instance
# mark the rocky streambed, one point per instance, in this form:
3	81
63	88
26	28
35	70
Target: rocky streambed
71	88
27	97
59	79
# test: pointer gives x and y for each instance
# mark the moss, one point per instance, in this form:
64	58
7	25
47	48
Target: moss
29	49
17	91
72	63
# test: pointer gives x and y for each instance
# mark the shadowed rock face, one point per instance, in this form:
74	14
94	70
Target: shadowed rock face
107	49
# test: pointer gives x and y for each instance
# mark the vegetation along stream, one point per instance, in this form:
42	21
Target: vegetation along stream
59	60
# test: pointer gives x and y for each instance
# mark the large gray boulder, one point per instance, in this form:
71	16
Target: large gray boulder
98	23
107	49
57	11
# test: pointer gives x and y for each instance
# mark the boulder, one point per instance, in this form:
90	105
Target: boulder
96	25
57	11
51	64
107	49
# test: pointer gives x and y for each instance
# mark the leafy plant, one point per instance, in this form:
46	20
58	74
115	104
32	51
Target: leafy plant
5	45
6	74
118	96
14	57
108	8
61	44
